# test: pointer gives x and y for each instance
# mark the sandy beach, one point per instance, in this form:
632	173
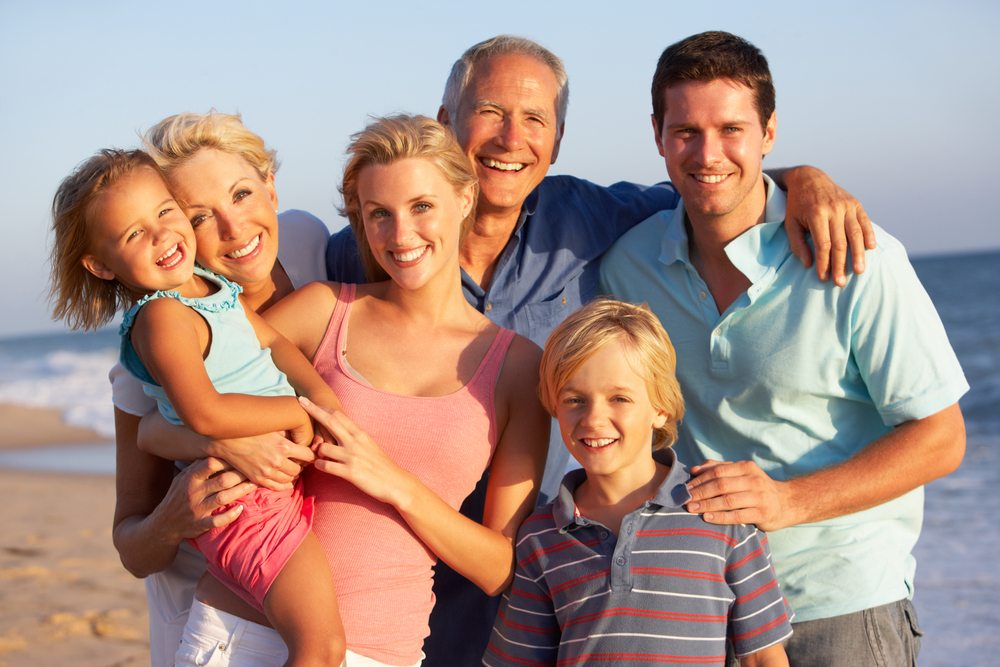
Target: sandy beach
65	598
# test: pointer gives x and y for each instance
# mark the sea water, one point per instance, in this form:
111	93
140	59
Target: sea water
958	585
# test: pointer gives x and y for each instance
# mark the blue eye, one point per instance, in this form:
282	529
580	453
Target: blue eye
241	194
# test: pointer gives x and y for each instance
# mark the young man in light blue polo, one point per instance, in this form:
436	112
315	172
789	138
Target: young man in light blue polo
815	412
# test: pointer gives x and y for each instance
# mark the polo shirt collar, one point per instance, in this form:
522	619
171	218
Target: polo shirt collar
673	491
755	253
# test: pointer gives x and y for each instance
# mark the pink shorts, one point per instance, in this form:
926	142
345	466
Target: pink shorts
248	554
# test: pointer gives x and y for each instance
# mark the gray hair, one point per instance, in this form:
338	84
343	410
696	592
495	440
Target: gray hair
462	70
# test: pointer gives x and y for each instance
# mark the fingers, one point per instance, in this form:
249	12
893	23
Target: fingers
797	241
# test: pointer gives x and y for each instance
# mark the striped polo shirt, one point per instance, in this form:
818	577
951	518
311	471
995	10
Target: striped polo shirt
670	589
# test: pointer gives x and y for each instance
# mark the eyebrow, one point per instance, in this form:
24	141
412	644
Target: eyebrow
531	111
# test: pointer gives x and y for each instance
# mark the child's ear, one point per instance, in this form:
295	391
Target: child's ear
97	267
661	420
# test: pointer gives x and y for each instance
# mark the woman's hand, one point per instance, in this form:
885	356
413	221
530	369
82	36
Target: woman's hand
357	458
271	460
196	495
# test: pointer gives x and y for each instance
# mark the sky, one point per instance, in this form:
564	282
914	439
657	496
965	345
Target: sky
898	101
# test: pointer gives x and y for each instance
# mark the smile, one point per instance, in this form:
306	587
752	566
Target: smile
409	255
247	249
710	178
502	166
597	443
171	258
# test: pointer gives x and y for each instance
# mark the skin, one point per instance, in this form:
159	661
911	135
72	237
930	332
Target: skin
423	339
710	128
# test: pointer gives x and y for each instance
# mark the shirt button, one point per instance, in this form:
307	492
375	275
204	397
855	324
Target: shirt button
620	560
222	647
628	529
702	295
489	307
604	534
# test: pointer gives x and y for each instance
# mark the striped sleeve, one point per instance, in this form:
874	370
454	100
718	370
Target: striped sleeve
526	632
759	617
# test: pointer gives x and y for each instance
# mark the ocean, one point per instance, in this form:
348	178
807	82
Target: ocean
958	585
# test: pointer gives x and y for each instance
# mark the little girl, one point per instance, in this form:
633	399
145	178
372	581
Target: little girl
122	241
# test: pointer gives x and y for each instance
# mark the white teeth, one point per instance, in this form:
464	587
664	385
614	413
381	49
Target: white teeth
409	255
597	443
247	249
502	166
170	257
710	178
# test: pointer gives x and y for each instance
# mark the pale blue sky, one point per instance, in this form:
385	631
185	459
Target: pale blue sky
897	100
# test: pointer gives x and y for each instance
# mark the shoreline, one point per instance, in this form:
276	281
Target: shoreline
26	426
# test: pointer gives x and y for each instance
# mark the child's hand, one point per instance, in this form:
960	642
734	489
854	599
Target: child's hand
302	434
269	460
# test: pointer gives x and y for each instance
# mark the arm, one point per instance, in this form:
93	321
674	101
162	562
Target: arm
835	220
170	338
772	656
913	454
269	460
482	553
154	510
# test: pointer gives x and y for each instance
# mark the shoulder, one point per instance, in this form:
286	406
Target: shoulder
302	245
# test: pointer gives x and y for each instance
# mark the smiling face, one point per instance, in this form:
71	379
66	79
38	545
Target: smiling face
412	219
606	416
506	123
233	212
139	236
714	145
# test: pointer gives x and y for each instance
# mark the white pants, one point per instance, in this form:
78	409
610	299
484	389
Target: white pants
169	595
213	637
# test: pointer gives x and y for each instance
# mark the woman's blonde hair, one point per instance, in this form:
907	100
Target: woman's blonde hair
177	138
393	138
648	351
79	297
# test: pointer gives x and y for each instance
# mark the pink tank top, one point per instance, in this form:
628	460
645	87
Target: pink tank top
381	570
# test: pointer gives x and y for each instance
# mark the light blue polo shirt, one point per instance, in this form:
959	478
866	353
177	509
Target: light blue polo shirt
798	375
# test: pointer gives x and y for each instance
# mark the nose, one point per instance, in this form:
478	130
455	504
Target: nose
511	135
708	148
594	414
228	223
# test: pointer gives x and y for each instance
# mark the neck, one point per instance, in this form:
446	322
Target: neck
708	235
484	242
439	301
625	490
262	295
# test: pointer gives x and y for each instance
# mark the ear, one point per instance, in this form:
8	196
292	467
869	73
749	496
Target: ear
770	132
661	420
97	267
559	135
272	192
657	135
442	116
468	197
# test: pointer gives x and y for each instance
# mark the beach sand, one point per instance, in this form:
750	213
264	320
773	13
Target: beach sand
65	598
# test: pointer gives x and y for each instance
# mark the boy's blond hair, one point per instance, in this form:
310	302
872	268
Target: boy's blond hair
648	351
79	297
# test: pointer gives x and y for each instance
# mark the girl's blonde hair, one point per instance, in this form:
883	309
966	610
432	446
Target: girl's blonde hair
80	298
648	352
176	138
393	138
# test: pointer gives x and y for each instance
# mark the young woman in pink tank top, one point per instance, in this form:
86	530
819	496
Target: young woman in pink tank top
433	393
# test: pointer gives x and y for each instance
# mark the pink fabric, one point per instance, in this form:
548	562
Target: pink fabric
381	570
248	554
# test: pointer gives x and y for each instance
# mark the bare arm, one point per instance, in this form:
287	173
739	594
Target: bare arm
912	455
772	656
482	553
836	221
155	511
170	339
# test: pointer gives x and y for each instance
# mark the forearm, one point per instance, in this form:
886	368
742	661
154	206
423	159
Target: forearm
159	437
243	415
772	656
302	375
143	546
482	555
912	455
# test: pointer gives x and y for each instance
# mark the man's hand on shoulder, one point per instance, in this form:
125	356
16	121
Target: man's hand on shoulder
739	492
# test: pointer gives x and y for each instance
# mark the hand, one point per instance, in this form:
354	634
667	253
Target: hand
739	492
269	460
835	220
302	434
356	457
192	503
